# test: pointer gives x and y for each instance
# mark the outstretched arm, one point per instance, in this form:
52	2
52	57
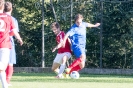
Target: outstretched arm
93	25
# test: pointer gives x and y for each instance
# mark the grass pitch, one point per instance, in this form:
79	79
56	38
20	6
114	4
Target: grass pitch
48	80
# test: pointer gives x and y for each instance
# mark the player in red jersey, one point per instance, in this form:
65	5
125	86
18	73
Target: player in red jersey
6	29
64	53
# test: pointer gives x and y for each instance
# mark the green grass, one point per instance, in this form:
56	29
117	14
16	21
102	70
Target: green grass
48	80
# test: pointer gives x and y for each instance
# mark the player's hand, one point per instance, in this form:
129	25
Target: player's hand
20	41
97	24
54	49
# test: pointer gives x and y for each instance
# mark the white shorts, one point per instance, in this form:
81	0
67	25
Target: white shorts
59	57
4	55
12	59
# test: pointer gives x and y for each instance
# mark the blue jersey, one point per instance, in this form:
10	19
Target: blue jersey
77	35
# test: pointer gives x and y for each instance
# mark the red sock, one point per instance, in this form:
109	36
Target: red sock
7	70
76	68
9	73
75	63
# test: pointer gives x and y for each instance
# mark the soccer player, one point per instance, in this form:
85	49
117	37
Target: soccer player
64	53
6	29
77	35
9	70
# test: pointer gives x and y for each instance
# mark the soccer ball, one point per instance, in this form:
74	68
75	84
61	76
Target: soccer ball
74	75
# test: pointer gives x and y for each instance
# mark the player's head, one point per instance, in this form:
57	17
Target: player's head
2	4
78	19
8	7
55	28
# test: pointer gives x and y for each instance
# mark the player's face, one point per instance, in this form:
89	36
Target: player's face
78	22
56	30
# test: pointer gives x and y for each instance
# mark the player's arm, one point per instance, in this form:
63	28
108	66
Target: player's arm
69	41
61	44
93	25
64	40
58	46
17	36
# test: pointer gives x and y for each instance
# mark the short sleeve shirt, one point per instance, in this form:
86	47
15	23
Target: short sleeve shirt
77	35
6	25
59	38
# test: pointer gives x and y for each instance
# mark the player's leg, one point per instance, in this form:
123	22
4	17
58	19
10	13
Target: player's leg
80	56
78	67
55	67
56	63
9	73
82	64
4	58
9	69
65	58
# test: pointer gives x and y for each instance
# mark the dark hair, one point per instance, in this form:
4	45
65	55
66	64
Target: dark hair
2	3
8	6
78	16
55	24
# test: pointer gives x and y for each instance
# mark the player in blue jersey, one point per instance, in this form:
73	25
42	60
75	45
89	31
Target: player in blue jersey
12	60
77	35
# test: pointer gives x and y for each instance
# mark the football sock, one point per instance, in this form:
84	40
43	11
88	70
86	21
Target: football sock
3	79
9	73
62	68
75	63
76	68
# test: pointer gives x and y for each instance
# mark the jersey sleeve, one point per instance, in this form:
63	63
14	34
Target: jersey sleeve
86	24
16	24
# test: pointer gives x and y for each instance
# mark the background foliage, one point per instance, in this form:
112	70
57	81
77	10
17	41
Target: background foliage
112	41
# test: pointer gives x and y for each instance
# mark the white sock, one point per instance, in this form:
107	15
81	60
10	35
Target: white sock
3	79
62	68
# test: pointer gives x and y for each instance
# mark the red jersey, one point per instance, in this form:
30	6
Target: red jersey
6	25
59	38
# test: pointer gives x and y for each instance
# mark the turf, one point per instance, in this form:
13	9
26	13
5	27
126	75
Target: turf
48	80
